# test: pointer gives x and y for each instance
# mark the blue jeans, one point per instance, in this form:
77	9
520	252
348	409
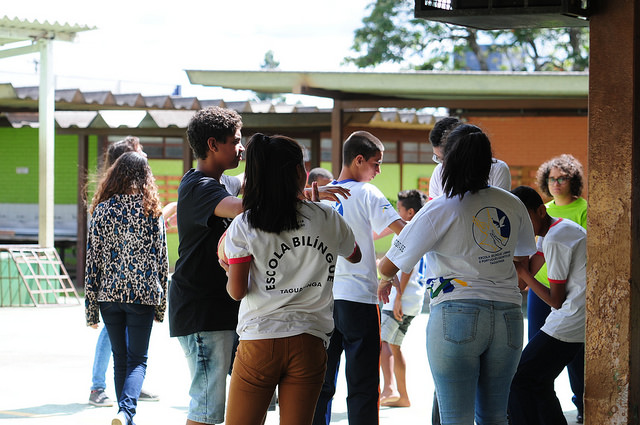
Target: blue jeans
129	327
357	333
101	361
533	399
473	348
209	357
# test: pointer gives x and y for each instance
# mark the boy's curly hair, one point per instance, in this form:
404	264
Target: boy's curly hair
216	122
570	166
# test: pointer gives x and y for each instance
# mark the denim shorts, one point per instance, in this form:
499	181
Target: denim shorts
392	331
209	357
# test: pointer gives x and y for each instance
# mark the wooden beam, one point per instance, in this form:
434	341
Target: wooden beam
83	202
336	137
187	156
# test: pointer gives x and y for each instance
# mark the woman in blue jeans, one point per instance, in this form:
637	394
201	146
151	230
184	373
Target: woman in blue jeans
471	236
126	271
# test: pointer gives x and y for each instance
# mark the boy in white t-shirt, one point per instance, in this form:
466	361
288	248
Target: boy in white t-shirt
563	245
499	175
404	304
356	313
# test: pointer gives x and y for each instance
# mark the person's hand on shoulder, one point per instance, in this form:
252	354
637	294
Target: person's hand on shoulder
326	193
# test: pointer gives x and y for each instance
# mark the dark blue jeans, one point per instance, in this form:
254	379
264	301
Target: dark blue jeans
537	312
357	333
129	328
533	399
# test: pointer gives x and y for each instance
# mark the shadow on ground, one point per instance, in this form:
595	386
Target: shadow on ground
45	410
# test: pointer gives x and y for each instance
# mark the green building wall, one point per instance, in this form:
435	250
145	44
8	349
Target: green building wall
19	152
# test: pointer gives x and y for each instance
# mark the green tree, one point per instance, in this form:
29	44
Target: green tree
391	34
270	63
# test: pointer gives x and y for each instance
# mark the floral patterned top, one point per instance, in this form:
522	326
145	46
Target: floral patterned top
126	257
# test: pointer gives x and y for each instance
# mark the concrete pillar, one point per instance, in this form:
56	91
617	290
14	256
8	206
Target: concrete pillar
612	380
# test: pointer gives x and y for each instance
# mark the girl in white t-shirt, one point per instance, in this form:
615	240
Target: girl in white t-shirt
282	254
471	236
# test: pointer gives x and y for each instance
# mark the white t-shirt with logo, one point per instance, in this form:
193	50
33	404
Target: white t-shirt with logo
366	210
565	250
291	275
470	243
499	176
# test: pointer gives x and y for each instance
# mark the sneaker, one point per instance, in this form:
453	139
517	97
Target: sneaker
148	396
120	419
99	398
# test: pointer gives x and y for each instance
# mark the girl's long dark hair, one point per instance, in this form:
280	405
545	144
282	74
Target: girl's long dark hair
130	174
467	161
272	183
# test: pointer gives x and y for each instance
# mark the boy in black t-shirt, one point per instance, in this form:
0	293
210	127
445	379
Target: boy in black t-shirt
201	313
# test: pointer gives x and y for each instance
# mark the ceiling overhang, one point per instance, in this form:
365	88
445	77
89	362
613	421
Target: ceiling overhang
455	90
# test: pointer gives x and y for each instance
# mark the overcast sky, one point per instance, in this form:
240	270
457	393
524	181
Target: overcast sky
143	46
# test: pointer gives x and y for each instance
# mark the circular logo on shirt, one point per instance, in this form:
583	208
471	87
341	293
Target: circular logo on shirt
491	229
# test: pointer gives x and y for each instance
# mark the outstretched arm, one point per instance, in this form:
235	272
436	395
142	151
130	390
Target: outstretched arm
554	296
387	272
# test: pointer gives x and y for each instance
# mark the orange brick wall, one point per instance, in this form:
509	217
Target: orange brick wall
532	140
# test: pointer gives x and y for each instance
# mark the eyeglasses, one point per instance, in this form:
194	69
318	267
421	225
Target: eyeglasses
559	180
436	159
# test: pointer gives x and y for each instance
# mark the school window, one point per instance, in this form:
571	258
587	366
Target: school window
417	152
158	147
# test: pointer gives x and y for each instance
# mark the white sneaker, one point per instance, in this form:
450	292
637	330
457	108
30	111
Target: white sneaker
120	419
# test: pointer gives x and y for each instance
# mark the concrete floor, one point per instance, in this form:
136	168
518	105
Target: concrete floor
46	355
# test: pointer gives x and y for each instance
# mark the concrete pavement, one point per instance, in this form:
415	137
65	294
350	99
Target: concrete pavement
46	354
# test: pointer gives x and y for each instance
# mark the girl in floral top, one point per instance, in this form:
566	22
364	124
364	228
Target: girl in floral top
126	271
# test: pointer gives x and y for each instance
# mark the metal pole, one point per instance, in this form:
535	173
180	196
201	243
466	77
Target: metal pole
46	142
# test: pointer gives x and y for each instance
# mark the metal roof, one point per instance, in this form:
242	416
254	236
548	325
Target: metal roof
463	89
14	30
275	119
25	99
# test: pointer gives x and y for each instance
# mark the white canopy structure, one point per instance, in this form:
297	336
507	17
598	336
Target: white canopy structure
20	37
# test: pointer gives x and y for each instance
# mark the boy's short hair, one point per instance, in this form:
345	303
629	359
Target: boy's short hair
360	143
442	126
216	122
318	172
412	199
529	197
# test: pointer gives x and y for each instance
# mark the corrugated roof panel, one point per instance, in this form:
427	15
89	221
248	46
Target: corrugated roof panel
28	92
185	102
262	107
239	106
119	119
165	119
13	30
212	102
133	100
23	119
425	119
100	97
79	119
7	91
408	117
69	96
285	108
158	102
